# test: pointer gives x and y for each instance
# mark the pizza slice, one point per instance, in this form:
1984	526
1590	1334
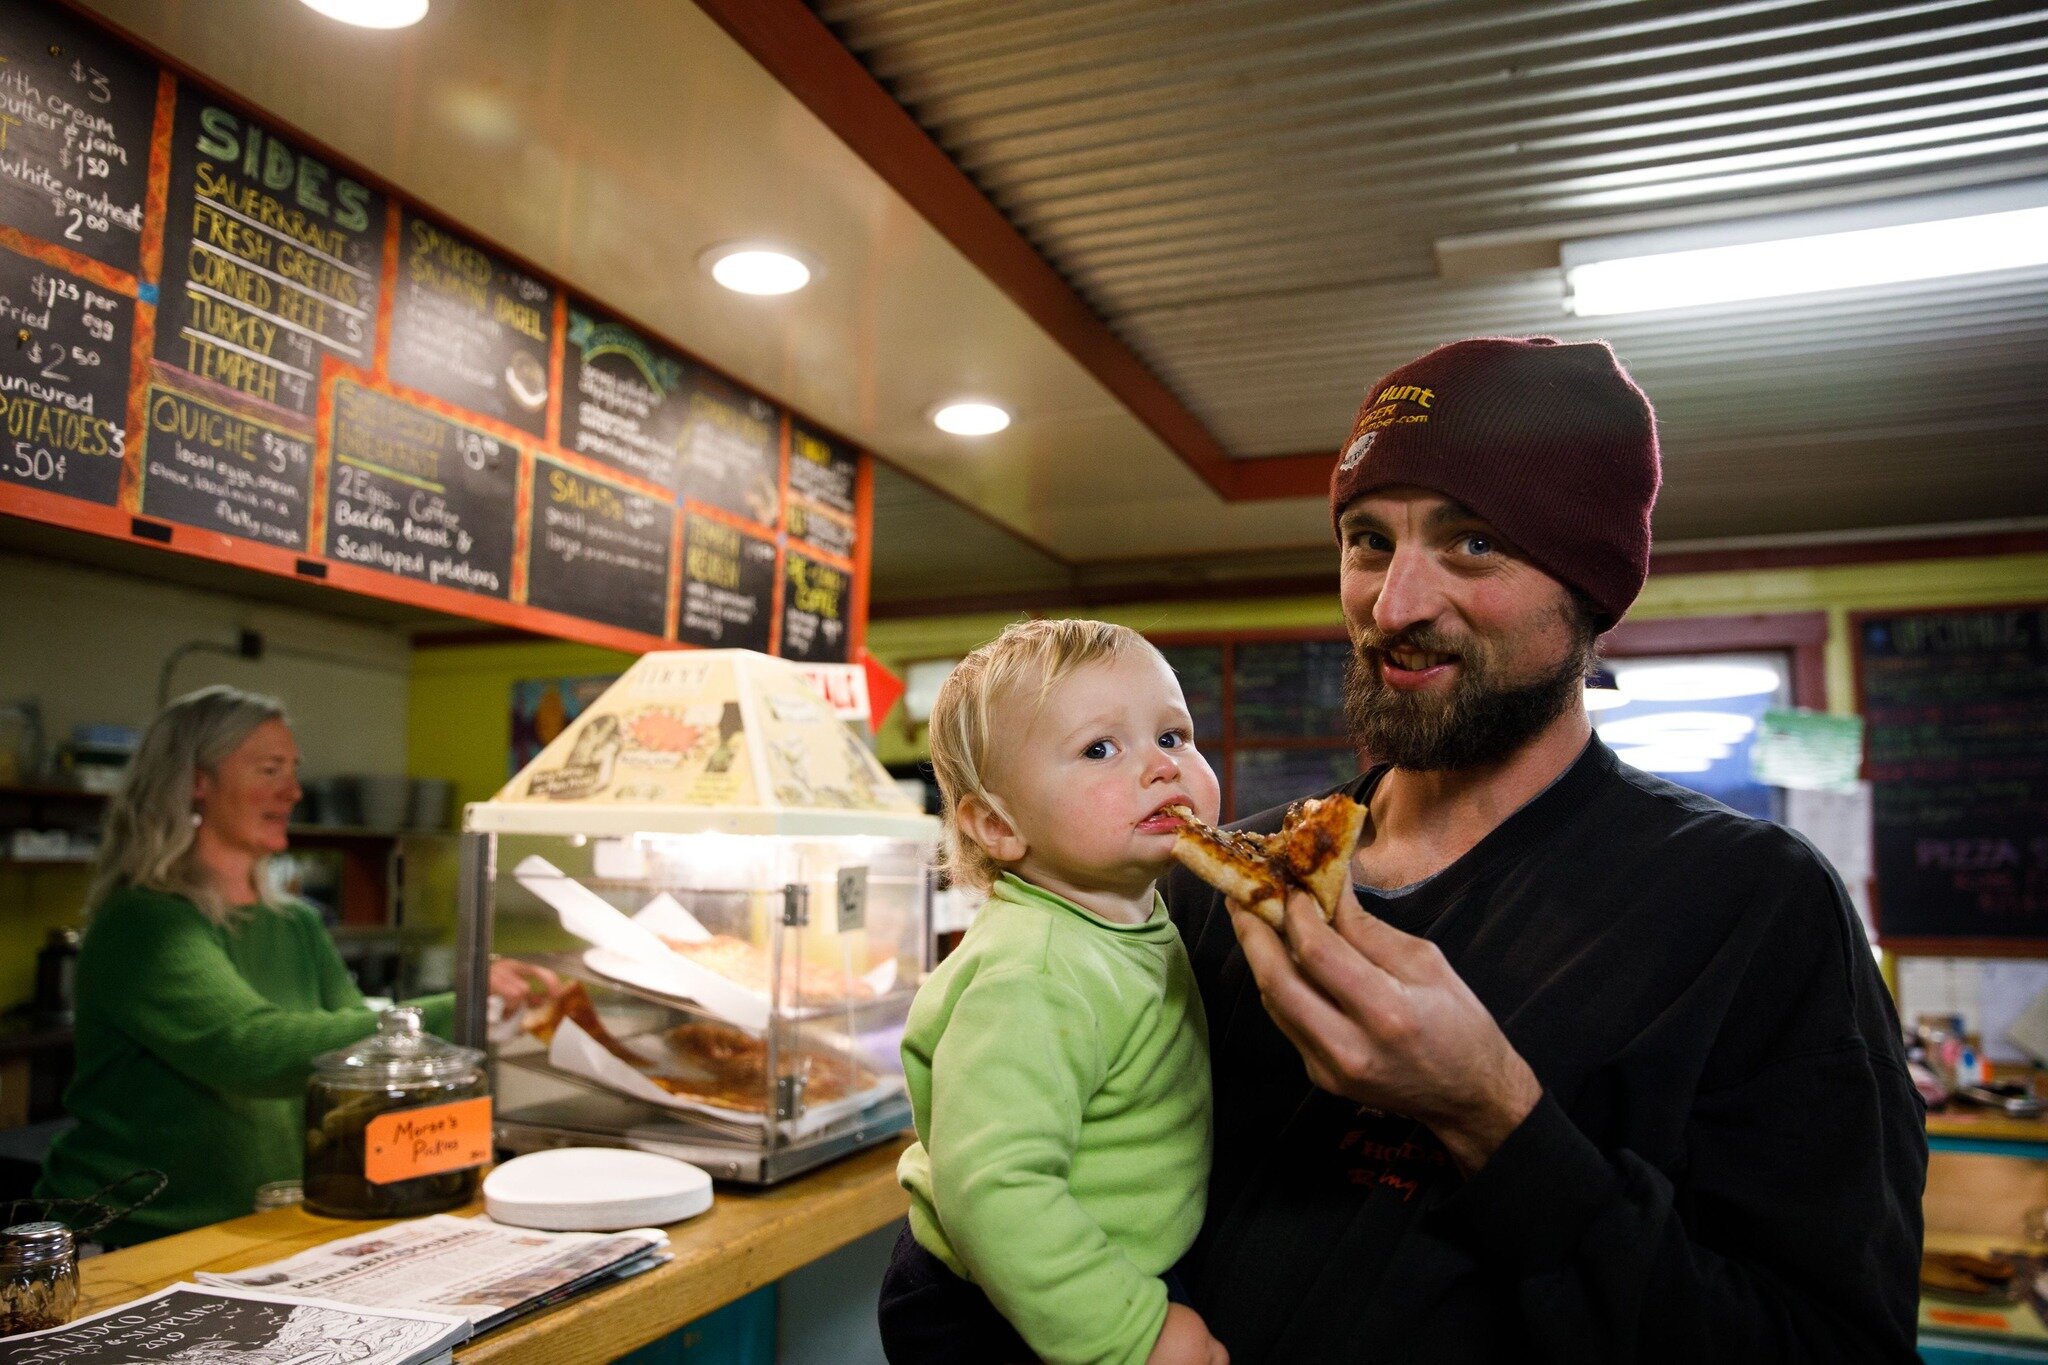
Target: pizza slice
1312	849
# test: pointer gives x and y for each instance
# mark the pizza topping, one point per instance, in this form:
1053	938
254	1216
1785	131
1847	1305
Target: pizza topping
1312	849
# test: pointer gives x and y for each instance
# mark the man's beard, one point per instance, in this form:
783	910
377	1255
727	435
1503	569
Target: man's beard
1479	722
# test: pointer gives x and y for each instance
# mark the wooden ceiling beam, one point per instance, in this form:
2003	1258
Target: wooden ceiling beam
813	65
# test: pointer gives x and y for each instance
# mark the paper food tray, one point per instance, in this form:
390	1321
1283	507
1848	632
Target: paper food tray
577	1053
630	950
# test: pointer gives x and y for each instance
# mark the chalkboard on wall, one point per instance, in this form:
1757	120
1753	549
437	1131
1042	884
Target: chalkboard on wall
418	494
623	400
272	259
323	368
822	478
76	108
469	328
221	464
728	586
598	550
63	381
815	606
1955	707
731	448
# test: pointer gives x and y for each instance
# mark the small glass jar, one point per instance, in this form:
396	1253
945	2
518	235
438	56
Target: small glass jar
38	1277
402	1071
277	1194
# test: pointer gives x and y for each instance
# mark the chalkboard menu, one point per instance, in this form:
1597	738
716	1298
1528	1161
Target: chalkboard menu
623	399
1290	689
822	478
329	377
1199	669
728	586
815	608
272	259
419	495
467	327
598	550
63	381
75	110
730	452
1955	708
221	465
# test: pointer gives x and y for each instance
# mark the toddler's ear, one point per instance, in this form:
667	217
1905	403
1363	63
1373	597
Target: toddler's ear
980	821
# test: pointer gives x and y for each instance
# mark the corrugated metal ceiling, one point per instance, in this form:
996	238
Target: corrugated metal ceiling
1253	195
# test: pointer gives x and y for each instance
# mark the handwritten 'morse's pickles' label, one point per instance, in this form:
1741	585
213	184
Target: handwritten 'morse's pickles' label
416	494
271	259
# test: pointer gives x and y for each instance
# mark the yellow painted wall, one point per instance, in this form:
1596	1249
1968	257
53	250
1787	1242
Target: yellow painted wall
1837	590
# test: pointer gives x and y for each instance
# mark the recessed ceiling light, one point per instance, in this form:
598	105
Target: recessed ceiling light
971	419
756	270
372	13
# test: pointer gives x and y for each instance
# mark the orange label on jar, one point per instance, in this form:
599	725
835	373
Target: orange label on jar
408	1143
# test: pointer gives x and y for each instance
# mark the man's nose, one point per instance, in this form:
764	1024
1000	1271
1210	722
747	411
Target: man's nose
1411	591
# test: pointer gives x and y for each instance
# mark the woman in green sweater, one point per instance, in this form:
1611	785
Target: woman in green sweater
202	995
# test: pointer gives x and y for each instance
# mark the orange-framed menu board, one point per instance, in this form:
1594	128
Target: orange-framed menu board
231	343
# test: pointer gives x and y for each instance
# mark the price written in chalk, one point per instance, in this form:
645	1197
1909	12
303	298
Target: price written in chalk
64	381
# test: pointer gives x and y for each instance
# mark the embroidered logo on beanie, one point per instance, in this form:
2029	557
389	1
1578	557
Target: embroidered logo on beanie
1397	404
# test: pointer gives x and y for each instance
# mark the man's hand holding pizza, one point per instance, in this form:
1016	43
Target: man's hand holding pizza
1379	1017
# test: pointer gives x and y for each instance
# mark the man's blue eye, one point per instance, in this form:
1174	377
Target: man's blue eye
1478	545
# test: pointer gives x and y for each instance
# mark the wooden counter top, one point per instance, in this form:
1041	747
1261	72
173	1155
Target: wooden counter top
746	1240
1959	1122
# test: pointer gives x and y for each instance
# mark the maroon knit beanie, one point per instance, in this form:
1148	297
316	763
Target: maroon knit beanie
1552	443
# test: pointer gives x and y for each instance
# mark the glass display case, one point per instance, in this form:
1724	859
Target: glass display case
739	899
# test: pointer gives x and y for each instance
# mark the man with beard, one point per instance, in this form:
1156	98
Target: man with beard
1602	1070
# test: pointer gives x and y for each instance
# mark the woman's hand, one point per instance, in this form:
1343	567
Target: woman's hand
519	985
1185	1340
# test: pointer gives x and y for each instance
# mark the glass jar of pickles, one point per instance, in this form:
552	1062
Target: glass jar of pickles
397	1126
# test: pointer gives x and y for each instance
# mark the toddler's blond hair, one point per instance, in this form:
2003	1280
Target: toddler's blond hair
1034	655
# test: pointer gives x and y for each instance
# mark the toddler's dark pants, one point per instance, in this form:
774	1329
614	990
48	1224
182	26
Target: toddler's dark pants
930	1316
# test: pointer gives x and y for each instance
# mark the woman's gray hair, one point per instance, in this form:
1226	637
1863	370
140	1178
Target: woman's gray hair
149	833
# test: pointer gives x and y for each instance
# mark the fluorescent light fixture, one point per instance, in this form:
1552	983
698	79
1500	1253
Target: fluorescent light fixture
372	13
971	419
2004	228
758	270
1697	681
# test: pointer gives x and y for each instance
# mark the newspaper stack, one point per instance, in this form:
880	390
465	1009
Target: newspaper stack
486	1272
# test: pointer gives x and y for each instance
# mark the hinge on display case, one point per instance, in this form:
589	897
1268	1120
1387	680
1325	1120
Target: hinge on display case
789	1096
796	905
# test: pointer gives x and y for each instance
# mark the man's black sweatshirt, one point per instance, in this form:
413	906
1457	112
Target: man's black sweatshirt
1727	1162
